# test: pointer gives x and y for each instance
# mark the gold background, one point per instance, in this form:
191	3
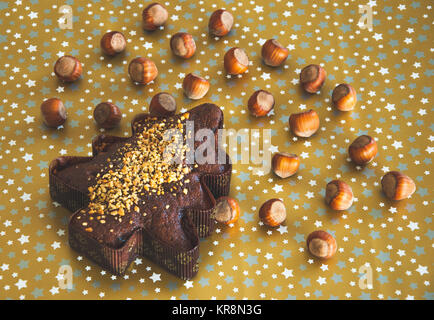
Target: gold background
391	68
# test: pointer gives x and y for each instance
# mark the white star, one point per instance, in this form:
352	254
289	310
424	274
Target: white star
188	284
261	41
31	83
277	188
377	36
54	290
422	270
413	225
21	284
304	155
28	157
55	245
32	48
384	71
282	229
155	277
287	273
23	239
324	267
258	9
33	15
26	196
148	45
265	76
390	107
29	119
321	280
397	144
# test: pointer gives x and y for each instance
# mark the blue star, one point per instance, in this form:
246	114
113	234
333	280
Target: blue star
37	293
357	251
286	253
305	282
251	260
248	282
299	237
204	282
384	256
247	217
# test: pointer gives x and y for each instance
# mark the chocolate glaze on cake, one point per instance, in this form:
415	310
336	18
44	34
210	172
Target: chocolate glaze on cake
159	220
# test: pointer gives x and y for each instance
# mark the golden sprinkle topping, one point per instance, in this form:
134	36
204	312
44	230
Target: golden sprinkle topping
140	168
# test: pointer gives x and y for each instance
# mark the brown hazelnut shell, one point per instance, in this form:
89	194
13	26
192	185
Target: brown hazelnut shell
344	97
284	164
113	43
304	124
220	23
107	115
260	103
397	186
321	244
273	53
68	68
183	45
53	112
227	210
195	87
142	70
236	61
362	150
162	104
154	16
273	212
339	195
312	78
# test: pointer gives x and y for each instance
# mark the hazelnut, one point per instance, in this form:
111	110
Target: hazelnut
227	210
154	16
338	195
321	244
312	78
284	164
260	103
304	124
162	104
195	87
344	97
272	212
183	45
68	68
273	53
220	23
107	115
53	112
397	186
113	43
236	61
142	70
363	150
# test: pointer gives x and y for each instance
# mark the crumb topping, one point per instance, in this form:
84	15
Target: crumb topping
141	168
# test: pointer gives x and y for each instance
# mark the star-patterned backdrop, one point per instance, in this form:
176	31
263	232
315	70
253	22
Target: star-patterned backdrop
390	66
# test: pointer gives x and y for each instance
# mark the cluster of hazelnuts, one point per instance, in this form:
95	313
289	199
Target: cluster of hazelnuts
143	70
338	196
